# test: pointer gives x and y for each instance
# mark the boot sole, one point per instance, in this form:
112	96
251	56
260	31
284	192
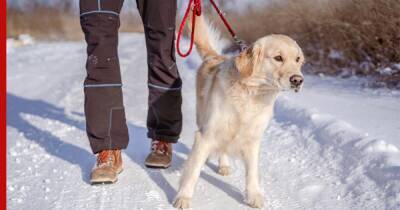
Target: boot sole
149	165
99	182
105	180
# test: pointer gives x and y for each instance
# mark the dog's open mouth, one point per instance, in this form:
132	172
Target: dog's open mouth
295	88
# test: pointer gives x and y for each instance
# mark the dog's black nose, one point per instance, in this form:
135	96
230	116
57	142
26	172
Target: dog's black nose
296	80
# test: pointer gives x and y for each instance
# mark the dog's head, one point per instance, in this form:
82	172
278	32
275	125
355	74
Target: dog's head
273	62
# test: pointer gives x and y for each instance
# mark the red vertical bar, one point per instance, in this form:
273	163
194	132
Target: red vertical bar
3	104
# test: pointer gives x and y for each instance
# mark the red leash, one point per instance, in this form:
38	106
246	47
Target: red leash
196	12
195	5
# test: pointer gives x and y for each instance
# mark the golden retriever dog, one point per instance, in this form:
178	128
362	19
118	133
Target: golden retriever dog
235	100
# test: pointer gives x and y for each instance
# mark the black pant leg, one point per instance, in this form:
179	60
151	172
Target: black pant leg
104	110
164	119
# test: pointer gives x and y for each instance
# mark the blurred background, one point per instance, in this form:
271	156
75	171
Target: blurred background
342	38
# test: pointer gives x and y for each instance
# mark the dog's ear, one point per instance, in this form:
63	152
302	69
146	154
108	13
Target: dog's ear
249	60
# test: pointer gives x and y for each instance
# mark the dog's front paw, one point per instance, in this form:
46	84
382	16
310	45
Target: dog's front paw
182	203
224	170
255	200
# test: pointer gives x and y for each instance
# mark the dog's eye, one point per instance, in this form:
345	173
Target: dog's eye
297	59
278	58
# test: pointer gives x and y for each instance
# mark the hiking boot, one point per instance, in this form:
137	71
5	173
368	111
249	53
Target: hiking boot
160	155
108	166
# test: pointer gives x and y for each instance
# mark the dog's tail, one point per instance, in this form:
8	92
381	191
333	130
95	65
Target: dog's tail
206	37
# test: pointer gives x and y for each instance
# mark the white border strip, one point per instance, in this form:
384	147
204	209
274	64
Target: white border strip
102	11
163	88
102	85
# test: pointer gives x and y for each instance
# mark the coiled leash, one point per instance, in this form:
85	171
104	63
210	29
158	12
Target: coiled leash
195	6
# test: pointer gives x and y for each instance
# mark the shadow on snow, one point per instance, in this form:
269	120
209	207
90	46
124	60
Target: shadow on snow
137	150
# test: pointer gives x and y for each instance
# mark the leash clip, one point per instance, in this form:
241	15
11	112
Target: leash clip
241	43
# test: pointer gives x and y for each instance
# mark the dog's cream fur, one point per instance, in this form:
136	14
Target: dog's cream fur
235	99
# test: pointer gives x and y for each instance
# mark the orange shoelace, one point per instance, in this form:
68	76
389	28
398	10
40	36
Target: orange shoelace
159	146
104	157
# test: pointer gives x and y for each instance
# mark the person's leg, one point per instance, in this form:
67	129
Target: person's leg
164	119
104	110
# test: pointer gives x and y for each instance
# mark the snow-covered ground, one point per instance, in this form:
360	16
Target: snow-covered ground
326	148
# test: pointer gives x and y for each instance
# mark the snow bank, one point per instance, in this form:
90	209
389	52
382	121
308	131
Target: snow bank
23	40
373	162
329	130
26	39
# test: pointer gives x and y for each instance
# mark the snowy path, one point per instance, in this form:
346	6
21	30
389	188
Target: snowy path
309	160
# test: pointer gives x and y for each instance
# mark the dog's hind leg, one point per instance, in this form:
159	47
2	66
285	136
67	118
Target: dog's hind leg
191	172
223	168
